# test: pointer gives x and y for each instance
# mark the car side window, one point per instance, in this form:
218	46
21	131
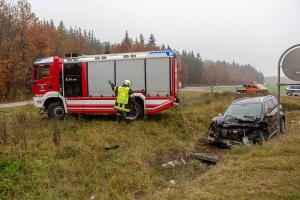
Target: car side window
272	104
274	100
267	108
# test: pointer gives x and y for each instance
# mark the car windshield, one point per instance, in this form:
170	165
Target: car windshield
253	110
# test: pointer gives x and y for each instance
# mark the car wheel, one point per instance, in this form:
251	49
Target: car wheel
56	110
136	112
260	139
282	126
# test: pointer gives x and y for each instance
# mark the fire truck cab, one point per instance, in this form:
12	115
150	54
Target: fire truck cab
79	84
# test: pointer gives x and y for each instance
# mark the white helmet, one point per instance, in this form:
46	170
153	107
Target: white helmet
127	82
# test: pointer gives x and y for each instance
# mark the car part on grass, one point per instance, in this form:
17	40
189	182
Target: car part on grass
172	182
111	147
174	163
210	159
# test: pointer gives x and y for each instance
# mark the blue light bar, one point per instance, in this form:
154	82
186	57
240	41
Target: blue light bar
168	53
44	60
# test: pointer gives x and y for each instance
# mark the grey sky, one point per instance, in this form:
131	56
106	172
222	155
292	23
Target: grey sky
247	31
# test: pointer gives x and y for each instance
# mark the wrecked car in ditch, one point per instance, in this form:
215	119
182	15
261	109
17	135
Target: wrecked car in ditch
247	120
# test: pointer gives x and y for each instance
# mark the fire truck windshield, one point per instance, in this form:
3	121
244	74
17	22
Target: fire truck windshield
42	71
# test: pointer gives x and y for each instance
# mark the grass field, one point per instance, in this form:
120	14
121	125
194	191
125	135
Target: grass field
221	89
273	89
40	159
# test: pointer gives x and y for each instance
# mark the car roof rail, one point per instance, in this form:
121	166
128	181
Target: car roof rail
265	97
240	99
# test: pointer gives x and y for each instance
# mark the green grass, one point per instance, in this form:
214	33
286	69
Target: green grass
13	172
76	166
273	89
225	89
221	89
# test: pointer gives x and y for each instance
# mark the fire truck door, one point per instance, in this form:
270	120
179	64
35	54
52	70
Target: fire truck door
72	79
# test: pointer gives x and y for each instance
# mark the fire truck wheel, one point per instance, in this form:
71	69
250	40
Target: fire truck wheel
136	112
56	110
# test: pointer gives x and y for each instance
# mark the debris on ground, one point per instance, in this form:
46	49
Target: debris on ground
210	159
172	182
174	163
111	147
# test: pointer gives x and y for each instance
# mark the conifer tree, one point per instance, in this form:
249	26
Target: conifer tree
126	39
142	40
152	40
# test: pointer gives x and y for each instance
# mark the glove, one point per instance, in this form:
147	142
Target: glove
112	85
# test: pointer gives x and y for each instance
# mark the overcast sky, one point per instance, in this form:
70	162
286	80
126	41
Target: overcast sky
247	31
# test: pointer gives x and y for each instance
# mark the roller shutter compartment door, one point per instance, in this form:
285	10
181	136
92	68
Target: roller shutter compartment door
158	76
132	70
98	75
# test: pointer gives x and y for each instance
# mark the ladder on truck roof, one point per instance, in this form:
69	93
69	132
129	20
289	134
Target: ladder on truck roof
121	56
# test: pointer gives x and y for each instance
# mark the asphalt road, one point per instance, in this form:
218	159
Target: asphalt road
15	104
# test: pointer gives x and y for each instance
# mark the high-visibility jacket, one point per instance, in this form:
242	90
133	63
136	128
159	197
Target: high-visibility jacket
122	98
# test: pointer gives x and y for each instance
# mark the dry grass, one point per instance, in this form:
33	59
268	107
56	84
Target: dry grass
67	160
271	171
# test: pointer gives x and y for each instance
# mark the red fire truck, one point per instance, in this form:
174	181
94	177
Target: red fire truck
79	84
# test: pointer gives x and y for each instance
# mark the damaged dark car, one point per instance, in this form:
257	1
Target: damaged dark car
247	120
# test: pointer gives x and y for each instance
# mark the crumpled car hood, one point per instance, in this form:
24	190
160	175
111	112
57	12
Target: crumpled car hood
233	121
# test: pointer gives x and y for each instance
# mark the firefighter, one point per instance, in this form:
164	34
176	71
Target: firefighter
124	99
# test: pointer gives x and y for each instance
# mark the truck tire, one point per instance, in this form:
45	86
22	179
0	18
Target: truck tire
289	94
136	112
56	110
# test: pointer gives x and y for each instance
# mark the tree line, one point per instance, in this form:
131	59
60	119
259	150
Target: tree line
196	71
24	38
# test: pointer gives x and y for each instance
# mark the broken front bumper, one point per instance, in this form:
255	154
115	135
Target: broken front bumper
224	142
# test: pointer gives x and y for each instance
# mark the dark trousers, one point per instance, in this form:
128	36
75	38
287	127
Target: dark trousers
121	115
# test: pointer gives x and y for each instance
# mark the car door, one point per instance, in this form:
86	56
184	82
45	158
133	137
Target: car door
297	90
273	112
269	118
